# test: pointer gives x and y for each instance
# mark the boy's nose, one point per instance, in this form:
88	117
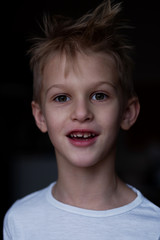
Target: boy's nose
82	112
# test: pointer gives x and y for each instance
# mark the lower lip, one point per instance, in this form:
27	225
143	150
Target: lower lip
83	143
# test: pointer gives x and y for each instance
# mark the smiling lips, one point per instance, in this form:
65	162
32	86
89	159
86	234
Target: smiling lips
82	138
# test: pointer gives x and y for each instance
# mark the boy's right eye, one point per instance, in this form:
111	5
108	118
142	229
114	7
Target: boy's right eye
61	98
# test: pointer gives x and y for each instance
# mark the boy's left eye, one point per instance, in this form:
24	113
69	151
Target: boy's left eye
62	98
99	96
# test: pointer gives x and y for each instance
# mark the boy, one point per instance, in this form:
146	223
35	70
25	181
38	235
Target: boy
83	95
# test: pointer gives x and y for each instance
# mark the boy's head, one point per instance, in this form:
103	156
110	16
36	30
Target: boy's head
83	91
97	32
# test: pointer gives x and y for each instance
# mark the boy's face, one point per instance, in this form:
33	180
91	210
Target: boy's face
82	108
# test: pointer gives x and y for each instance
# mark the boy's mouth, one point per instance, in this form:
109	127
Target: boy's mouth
82	135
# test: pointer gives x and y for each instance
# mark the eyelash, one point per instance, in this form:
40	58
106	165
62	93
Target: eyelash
62	98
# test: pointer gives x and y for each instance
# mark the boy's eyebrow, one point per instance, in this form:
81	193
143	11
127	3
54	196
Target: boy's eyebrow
61	86
104	83
58	85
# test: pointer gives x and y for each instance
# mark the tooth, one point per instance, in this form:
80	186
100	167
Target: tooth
86	135
79	135
82	135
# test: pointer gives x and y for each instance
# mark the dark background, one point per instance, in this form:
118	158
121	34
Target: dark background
27	158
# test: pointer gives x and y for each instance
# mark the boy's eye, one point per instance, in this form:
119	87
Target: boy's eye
99	96
61	98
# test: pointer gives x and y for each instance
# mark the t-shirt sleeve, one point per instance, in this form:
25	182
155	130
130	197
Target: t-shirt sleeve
7	227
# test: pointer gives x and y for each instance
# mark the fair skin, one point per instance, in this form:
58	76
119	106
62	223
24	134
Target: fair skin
82	109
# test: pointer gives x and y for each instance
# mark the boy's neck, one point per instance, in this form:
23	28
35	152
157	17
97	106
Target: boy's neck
96	191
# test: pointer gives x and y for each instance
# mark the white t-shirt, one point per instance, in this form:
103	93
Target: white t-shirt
39	216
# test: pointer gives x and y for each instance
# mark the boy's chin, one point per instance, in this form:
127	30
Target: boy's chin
84	161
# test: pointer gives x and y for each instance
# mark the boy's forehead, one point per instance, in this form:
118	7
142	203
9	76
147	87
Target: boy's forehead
81	63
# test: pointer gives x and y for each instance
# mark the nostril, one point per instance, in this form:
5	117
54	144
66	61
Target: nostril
82	119
82	116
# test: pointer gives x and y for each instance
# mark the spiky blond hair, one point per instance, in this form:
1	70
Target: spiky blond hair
100	30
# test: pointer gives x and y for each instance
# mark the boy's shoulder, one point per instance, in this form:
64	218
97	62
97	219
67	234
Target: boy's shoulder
150	209
31	203
146	207
29	210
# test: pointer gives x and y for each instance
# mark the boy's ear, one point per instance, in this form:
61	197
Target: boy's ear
39	117
131	113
